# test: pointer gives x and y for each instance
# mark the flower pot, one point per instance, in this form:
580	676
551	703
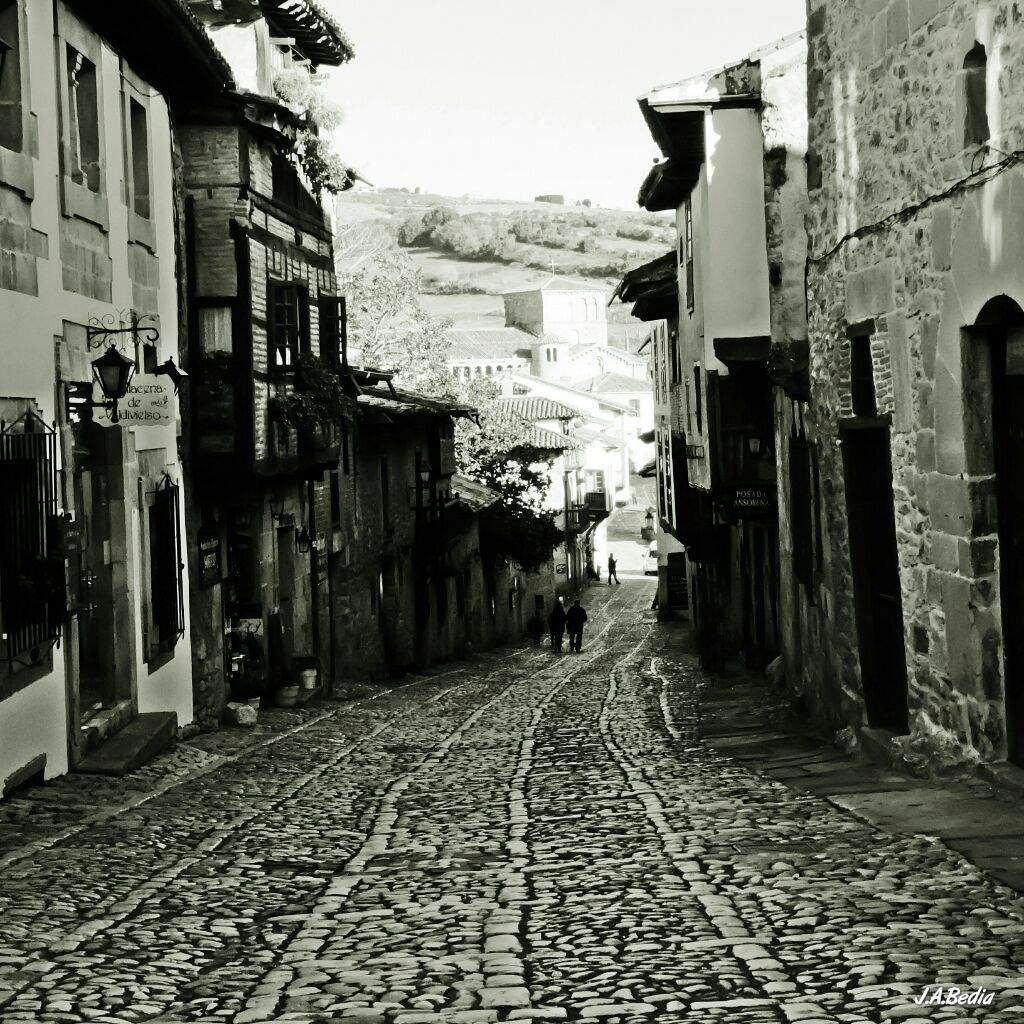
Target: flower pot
307	678
286	696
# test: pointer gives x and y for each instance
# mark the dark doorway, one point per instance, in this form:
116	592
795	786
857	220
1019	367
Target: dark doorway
97	662
1002	328
867	464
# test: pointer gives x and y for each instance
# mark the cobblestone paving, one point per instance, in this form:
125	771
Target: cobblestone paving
523	837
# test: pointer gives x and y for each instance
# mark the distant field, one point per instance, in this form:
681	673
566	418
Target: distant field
542	239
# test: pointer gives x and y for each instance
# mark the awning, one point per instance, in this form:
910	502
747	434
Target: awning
647	437
649	470
652	288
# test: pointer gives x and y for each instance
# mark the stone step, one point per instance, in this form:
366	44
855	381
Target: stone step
136	744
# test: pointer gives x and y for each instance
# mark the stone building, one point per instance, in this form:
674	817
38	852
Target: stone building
265	328
732	147
915	290
94	614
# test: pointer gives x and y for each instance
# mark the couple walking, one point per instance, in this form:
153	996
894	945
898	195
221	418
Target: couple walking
561	621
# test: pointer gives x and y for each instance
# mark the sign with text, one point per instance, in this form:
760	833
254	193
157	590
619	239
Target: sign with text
753	501
149	402
209	557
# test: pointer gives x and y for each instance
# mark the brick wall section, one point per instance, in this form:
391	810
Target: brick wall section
887	115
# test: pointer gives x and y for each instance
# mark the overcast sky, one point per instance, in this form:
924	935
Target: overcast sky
512	100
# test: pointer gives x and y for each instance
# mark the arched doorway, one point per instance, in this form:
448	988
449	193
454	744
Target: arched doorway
994	400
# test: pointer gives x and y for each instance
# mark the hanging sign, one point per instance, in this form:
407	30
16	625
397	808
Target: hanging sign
750	501
209	557
149	402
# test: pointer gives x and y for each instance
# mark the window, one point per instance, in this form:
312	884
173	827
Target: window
215	329
138	128
688	241
12	120
333	329
698	401
83	121
31	581
862	377
165	564
385	494
976	130
289	323
335	499
634	404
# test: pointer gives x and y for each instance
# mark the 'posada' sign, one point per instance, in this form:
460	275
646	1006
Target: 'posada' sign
149	402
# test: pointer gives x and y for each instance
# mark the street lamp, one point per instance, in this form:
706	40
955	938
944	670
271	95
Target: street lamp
649	519
113	372
276	507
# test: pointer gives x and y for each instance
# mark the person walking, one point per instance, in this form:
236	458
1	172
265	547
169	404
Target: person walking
612	574
535	626
556	624
574	619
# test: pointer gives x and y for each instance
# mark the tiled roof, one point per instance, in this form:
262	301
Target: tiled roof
313	27
407	403
536	407
589	434
476	495
613	384
490	343
550	440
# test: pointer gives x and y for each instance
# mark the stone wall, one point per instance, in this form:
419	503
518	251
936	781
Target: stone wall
887	107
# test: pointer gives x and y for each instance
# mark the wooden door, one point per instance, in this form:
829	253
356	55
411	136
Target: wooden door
1008	447
867	464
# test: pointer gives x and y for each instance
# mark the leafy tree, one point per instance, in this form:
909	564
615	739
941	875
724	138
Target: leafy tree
391	330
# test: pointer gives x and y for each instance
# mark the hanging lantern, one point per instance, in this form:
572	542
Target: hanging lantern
113	372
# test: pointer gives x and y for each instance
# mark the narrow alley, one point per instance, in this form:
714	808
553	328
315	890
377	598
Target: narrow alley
519	836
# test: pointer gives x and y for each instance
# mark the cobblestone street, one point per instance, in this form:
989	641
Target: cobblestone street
522	836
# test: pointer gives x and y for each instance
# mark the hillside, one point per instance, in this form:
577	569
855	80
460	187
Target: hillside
472	250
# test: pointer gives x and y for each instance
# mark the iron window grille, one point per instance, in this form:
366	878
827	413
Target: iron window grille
167	599
32	585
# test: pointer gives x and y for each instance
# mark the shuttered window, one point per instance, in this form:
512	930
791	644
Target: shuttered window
333	330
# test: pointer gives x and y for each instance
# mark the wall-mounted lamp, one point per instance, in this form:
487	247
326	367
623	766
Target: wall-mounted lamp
756	446
113	372
649	519
276	506
303	541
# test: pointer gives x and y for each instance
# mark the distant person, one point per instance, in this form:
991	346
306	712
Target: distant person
535	627
575	617
556	624
612	574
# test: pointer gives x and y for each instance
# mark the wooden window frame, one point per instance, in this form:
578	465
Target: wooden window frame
16	166
79	200
332	311
294	346
141	228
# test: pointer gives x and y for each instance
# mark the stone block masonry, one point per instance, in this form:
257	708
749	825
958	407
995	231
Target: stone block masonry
889	131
